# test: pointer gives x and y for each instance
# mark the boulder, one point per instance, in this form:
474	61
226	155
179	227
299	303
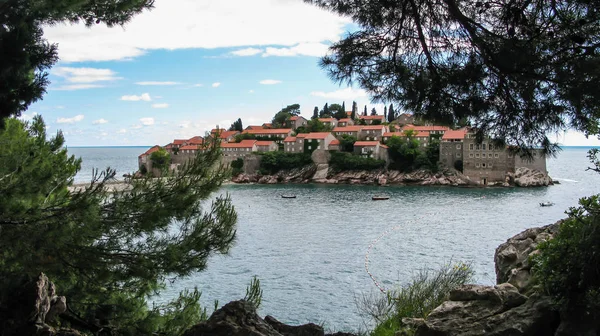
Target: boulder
512	257
309	329
526	177
501	310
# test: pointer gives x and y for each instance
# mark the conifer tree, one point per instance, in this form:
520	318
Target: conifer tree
344	106
373	111
365	111
315	113
354	110
385	113
391	113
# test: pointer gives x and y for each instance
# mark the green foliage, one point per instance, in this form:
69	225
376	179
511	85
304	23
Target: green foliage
254	293
373	112
161	159
237	126
315	113
407	154
272	162
325	113
175	317
337	111
567	266
347	143
26	56
593	157
281	118
341	161
107	251
426	291
376	122
237	166
354	110
314	125
486	61
365	111
391	113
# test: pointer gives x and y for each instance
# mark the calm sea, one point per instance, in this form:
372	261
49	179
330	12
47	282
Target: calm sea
309	252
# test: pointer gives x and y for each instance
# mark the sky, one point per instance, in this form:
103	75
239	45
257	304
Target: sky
186	66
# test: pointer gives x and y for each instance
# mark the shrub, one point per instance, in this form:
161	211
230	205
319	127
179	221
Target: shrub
426	291
272	162
567	266
160	159
347	161
143	169
237	166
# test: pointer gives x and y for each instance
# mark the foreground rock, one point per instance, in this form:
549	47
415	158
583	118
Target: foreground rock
239	318
29	307
525	177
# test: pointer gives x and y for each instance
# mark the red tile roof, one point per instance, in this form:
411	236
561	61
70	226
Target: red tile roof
348	129
151	150
294	118
264	143
301	135
197	140
391	134
267	125
253	127
317	135
289	139
242	144
455	135
269	131
189	147
366	143
426	128
373	127
179	141
345	120
334	142
348	113
324	120
384	146
227	134
370	117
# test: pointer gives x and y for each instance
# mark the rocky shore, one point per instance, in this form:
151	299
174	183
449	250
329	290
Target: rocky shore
523	177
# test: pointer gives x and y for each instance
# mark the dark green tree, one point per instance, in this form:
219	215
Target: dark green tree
373	111
325	113
281	118
315	113
314	125
385	113
517	70
337	111
161	159
391	113
26	57
365	111
347	143
106	251
344	107
237	126
354	110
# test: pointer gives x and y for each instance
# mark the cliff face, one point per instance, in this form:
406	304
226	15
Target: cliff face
321	173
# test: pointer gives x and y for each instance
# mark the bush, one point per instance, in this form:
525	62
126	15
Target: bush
567	267
272	162
160	159
426	291
237	166
347	161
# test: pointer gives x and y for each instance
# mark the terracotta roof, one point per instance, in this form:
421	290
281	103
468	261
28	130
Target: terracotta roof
197	140
215	130
334	142
426	128
294	118
366	143
455	134
391	134
267	125
179	141
370	117
327	120
253	127
384	146
373	127
345	120
422	134
242	144
289	139
301	135
189	147
151	150
317	135
227	134
348	129
269	131
264	143
348	113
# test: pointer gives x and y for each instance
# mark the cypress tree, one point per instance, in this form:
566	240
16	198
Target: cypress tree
354	110
391	113
373	111
365	111
315	113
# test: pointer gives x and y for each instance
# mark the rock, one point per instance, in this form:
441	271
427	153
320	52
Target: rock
512	257
525	177
237	318
309	329
492	311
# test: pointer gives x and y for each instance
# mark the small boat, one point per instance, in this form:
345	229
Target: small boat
288	196
380	198
545	204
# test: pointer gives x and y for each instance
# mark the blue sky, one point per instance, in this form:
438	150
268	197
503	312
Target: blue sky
187	66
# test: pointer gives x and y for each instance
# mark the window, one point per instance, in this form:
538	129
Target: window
471	146
318	147
471	155
483	146
477	165
309	147
489	165
483	165
477	155
458	146
293	149
478	147
457	154
496	155
489	155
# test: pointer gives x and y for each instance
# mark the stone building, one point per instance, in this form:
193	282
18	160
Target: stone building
451	147
372	132
348	130
370	119
345	122
297	121
294	144
329	122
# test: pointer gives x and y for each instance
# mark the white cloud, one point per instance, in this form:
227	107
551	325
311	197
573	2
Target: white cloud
269	82
104	134
251	91
198	85
100	121
73	87
302	49
136	126
122	131
85	75
217	84
185	124
72	120
28	117
143	96
242	24
247	52
161	105
156	83
147	121
347	93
